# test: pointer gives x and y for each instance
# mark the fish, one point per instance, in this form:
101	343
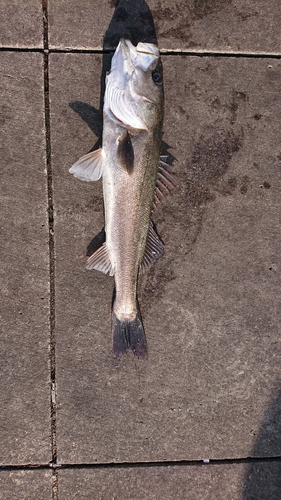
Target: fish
135	181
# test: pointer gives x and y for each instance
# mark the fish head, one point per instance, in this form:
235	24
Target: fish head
134	94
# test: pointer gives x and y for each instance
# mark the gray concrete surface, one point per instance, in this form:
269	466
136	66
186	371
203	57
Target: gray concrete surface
24	391
205	377
192	25
201	482
26	484
210	388
21	24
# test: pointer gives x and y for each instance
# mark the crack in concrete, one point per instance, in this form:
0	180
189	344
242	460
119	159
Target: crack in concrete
51	248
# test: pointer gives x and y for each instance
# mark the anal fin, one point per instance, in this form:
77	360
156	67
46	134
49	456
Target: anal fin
153	251
100	260
96	243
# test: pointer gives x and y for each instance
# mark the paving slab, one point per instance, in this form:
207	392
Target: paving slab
177	482
26	484
192	25
21	24
24	354
210	307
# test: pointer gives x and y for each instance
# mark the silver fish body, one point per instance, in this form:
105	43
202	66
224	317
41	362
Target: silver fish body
133	181
128	202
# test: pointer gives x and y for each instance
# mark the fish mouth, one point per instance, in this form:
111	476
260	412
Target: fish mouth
127	57
143	55
148	48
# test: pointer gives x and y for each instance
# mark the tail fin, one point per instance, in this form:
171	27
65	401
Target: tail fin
128	335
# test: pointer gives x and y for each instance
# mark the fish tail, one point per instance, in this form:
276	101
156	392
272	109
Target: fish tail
128	335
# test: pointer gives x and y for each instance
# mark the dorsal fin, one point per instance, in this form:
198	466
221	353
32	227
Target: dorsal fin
165	182
153	251
125	152
89	167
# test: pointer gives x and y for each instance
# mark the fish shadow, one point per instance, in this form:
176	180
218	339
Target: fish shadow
130	20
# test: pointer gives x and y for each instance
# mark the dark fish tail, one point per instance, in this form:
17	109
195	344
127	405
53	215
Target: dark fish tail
128	335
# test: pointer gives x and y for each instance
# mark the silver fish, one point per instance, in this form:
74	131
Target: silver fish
135	179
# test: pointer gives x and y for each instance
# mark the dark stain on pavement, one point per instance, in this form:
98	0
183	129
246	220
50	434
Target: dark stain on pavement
265	476
203	8
211	155
205	176
245	184
237	98
177	19
199	185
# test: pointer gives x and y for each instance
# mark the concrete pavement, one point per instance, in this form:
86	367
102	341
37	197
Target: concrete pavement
100	428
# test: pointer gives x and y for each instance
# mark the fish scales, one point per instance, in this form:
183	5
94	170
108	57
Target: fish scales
128	214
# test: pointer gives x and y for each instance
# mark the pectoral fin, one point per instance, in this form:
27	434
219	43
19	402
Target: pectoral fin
89	167
153	251
125	152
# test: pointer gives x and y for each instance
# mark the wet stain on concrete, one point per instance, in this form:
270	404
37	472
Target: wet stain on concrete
245	184
237	98
216	104
182	15
246	12
201	182
203	8
191	88
205	176
152	286
183	112
230	108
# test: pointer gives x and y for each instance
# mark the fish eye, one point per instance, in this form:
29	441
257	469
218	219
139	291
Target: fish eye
157	77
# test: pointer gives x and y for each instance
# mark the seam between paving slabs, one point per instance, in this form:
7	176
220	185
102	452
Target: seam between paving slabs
51	248
56	50
130	465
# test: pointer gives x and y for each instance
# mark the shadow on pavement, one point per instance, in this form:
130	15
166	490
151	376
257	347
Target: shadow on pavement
263	479
130	20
